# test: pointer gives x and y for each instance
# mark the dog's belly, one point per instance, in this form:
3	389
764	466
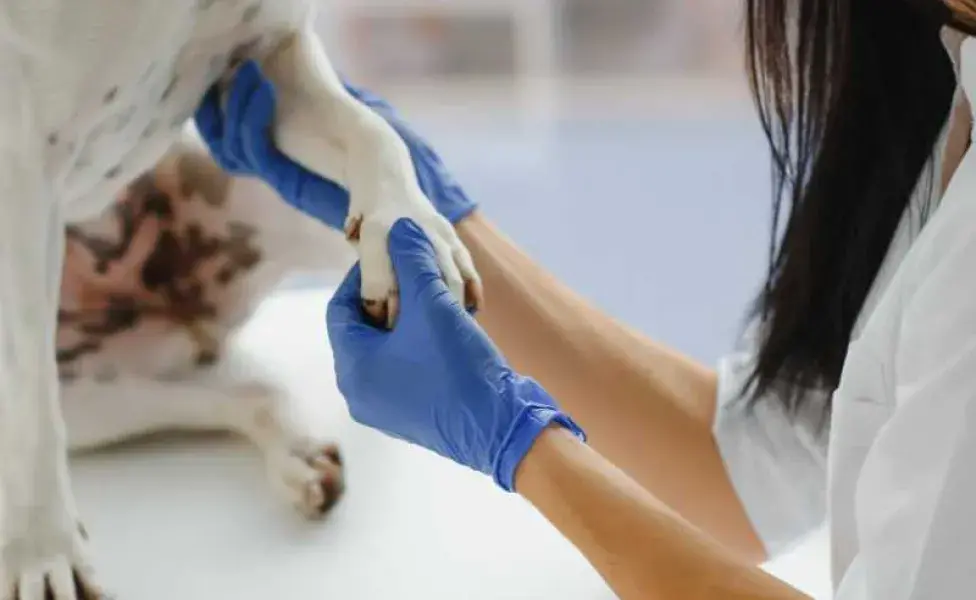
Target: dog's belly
172	260
130	76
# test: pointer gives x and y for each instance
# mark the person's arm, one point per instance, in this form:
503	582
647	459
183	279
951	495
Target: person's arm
645	407
642	549
446	387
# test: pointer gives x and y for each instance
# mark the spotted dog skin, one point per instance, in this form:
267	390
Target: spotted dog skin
156	284
165	256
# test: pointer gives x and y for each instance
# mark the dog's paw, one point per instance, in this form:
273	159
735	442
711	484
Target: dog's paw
43	564
370	233
308	475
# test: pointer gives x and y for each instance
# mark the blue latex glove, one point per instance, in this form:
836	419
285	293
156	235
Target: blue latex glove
239	137
436	379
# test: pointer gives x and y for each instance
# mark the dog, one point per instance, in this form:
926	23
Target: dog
95	94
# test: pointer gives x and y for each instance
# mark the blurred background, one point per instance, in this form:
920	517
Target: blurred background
614	140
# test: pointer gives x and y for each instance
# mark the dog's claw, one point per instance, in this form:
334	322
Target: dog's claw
378	311
474	295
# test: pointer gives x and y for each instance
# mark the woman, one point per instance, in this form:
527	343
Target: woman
864	339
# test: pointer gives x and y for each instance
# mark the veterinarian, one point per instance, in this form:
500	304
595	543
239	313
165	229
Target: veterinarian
855	386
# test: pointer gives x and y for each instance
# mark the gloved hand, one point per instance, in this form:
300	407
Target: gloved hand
436	379
240	140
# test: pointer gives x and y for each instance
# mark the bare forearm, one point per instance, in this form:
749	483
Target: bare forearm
640	547
645	407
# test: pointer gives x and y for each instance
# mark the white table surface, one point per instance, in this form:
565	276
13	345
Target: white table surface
194	519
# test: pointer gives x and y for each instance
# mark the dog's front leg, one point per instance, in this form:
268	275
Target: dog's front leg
43	552
320	125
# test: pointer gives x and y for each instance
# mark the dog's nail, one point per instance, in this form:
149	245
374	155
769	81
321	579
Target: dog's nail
353	227
332	489
473	294
333	454
376	310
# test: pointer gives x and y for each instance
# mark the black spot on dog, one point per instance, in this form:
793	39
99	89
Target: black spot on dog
163	265
158	204
170	88
73	353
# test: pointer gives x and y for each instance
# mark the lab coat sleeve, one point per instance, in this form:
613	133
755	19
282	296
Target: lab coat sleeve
776	461
916	499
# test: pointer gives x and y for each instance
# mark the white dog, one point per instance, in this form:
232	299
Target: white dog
92	94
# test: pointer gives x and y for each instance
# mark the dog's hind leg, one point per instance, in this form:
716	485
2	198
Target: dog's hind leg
43	554
302	469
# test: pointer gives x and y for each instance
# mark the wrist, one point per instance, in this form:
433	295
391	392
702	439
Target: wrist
457	215
537	415
468	220
551	441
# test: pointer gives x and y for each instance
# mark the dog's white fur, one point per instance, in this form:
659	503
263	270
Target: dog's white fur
94	92
146	377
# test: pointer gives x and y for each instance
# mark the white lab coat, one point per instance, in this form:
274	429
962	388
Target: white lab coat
894	474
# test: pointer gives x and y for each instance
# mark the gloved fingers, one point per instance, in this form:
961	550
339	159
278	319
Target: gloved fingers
246	81
256	123
209	118
415	264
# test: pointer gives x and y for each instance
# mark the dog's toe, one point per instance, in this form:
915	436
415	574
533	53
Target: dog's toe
310	477
326	486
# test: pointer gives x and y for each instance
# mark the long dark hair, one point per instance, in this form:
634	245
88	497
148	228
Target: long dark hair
852	96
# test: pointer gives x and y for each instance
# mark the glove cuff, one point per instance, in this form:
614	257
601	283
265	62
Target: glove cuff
536	415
